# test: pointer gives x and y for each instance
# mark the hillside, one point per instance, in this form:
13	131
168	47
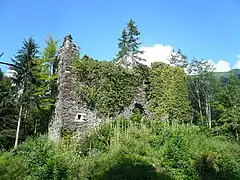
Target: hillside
220	75
127	150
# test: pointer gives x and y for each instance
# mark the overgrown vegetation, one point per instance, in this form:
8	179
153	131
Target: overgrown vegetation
105	86
191	130
127	150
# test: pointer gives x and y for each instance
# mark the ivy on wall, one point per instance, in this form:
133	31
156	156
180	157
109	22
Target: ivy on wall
106	87
168	95
109	88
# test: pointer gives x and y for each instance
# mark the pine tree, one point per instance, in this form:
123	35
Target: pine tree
1	74
134	43
8	114
228	98
123	48
24	79
129	46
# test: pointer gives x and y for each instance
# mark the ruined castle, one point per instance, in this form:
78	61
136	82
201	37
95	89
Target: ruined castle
72	114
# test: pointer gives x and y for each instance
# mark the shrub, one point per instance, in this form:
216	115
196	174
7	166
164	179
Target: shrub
126	150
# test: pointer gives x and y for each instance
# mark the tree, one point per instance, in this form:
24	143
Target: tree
24	78
1	74
178	59
44	94
123	49
134	43
8	114
49	55
201	86
168	96
228	98
129	46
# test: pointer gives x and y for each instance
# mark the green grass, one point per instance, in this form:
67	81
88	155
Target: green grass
127	150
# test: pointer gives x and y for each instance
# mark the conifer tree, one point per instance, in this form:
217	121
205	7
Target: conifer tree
129	46
8	114
228	99
134	43
24	78
123	48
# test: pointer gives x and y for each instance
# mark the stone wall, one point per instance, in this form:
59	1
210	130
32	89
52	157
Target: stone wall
70	114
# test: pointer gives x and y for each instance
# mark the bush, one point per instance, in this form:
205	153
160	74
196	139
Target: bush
11	167
126	150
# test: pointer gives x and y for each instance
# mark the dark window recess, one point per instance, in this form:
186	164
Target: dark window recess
138	107
79	116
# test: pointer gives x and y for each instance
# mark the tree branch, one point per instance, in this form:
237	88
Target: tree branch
9	64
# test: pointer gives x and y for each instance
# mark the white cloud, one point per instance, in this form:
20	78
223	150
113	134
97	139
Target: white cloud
157	52
237	65
160	52
10	73
222	66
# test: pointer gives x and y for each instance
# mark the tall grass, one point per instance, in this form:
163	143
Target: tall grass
126	149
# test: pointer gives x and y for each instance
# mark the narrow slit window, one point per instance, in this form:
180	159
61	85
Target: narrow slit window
80	117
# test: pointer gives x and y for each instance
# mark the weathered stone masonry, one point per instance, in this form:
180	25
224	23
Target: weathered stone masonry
70	113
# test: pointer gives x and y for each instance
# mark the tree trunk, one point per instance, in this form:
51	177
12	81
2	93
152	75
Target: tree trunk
200	110
192	116
237	135
18	127
25	122
35	127
208	114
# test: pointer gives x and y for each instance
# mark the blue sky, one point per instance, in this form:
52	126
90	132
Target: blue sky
208	29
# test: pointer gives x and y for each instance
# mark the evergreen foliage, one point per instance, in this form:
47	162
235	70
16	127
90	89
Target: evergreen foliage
129	46
168	94
8	114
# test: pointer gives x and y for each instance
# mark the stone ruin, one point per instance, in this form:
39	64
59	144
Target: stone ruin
72	114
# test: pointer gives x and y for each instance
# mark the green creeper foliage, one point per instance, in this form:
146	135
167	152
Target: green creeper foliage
168	94
107	87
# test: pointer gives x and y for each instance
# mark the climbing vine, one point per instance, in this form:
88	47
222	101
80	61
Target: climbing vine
109	88
168	95
104	86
